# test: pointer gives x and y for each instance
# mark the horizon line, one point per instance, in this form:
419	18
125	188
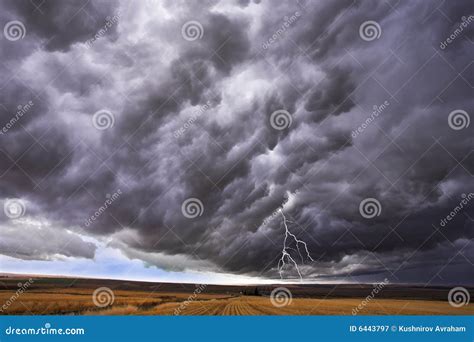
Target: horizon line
31	275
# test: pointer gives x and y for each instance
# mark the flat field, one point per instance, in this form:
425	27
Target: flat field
67	296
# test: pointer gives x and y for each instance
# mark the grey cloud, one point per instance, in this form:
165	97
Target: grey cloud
36	241
60	24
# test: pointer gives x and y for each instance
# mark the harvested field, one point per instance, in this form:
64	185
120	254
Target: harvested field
62	296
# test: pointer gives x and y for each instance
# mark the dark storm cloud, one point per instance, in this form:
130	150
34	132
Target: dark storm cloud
192	119
59	24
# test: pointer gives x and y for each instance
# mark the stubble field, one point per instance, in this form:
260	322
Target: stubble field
76	297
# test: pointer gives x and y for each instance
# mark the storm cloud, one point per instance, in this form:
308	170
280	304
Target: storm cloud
248	107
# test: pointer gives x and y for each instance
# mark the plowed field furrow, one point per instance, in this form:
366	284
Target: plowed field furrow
247	310
196	309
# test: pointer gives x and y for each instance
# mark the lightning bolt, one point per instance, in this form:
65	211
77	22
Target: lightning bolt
286	257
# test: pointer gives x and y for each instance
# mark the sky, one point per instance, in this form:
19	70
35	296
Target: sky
238	141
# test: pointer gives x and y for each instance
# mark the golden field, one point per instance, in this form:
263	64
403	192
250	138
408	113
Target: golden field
127	302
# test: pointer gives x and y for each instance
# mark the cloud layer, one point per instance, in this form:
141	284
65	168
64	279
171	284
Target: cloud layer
170	100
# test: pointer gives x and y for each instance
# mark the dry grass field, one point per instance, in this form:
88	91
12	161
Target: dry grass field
247	305
72	297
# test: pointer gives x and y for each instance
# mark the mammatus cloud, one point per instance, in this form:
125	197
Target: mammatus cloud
245	107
